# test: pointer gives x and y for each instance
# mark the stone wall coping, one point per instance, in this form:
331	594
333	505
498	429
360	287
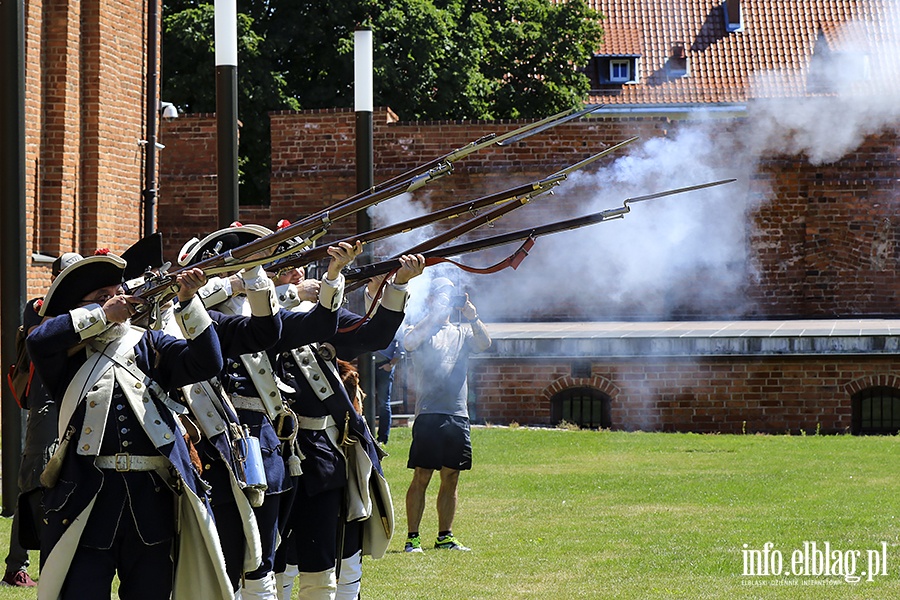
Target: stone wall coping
693	338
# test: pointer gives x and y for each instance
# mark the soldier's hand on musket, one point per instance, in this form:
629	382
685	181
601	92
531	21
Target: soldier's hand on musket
342	255
411	265
120	308
189	282
308	289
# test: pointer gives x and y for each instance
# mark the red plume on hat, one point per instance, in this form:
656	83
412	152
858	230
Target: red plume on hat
80	279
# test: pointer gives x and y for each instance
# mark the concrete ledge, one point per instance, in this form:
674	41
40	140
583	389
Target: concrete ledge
694	338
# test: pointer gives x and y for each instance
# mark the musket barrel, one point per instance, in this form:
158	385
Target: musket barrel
379	268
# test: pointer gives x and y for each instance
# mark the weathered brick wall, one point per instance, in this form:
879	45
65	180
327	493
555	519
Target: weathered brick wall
85	72
823	238
724	395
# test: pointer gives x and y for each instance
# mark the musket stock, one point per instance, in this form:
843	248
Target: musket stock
355	274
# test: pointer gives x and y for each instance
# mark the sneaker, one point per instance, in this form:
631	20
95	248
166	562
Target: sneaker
448	542
18	579
413	544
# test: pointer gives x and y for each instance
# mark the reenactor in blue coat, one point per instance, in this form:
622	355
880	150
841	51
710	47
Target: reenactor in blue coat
341	482
256	393
215	431
122	476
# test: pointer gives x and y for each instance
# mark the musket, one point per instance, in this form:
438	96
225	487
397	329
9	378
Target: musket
318	223
507	201
490	139
529	235
487	218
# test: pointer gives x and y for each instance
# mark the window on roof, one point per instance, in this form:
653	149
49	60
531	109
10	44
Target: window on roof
734	19
876	410
619	70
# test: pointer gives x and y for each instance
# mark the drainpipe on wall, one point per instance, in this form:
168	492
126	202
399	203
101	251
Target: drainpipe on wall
12	230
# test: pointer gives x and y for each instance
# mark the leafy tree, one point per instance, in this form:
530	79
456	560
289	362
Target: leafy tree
434	59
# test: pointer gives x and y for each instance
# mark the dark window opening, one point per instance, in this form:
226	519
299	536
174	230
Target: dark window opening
876	410
586	407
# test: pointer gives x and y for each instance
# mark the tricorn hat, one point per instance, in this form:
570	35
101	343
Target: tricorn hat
220	241
144	254
80	279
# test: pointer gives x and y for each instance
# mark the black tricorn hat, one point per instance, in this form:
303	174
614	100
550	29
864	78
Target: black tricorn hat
144	254
220	241
80	279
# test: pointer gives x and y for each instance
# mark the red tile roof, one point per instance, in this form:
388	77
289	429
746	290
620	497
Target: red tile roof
769	57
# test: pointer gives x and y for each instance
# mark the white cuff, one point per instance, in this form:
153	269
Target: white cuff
331	293
215	291
192	318
262	299
395	297
288	296
89	320
254	279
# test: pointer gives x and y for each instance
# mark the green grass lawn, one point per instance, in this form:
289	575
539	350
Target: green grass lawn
585	514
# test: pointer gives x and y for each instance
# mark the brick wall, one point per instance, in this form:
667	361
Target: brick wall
85	72
724	395
823	239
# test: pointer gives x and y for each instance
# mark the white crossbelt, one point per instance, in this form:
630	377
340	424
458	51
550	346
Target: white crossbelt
130	462
315	423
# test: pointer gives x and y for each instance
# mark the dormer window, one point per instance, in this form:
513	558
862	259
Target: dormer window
617	62
677	65
734	18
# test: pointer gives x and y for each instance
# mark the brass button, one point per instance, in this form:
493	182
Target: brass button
86	447
315	377
323	389
92	403
192	330
168	436
87	430
138	385
262	371
272	394
209	413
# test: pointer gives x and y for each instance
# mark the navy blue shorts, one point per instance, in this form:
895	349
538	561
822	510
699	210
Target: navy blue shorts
440	441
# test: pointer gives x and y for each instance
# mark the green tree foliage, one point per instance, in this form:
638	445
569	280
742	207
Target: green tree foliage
434	59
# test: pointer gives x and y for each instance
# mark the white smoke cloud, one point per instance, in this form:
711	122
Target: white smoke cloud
691	254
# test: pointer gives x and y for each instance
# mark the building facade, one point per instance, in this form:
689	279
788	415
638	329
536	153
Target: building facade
795	101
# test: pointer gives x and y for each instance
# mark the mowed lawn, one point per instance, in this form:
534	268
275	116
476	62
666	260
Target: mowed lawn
588	514
552	513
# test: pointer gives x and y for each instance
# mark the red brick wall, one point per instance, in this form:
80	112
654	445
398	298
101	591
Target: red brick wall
822	238
725	395
85	105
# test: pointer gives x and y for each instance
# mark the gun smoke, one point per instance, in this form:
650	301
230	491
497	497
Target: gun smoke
689	255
